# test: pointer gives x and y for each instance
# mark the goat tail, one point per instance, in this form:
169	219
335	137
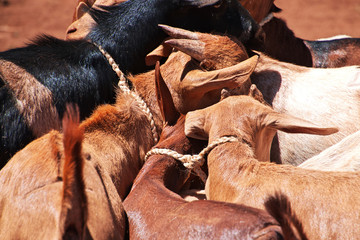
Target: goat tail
74	204
279	207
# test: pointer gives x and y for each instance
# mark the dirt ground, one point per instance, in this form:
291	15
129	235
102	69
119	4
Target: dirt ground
22	20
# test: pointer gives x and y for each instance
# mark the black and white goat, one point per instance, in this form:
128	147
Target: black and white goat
38	80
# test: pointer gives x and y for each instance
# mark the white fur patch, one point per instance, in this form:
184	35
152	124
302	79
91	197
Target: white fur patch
343	156
266	19
326	97
33	100
334	38
354	82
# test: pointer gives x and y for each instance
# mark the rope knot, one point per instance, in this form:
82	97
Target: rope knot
192	162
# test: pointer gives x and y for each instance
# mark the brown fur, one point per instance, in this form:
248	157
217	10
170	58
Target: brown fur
230	53
34	101
258	9
291	89
156	211
279	207
116	139
74	204
235	175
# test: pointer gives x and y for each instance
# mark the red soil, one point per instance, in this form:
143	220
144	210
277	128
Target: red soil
22	20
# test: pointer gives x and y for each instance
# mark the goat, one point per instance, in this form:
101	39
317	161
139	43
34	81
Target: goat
156	211
36	81
116	138
342	156
282	44
82	20
259	10
238	174
64	214
294	90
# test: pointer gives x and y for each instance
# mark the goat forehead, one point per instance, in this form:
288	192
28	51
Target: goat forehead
234	110
242	103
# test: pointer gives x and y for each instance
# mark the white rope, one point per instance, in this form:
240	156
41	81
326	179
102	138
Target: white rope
125	88
266	19
193	162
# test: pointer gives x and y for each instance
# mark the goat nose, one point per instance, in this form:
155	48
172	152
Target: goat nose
71	30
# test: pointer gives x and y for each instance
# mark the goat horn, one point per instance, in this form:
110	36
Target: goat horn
178	32
193	48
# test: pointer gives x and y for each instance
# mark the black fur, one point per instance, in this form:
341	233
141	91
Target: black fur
322	49
75	71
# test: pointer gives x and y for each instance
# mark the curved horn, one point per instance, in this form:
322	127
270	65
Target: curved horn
178	32
193	48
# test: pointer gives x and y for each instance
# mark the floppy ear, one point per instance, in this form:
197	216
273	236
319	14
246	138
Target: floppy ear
194	125
157	54
290	124
230	77
165	101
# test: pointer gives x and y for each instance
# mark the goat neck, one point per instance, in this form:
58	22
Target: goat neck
173	138
278	37
153	202
123	132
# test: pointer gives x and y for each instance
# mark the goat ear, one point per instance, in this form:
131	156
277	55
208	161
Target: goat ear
195	125
291	124
165	101
81	9
230	77
157	54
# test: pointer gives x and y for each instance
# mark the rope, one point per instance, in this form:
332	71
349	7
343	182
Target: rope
266	19
125	88
192	162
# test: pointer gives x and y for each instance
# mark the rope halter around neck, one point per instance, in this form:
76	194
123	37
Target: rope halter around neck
124	87
192	162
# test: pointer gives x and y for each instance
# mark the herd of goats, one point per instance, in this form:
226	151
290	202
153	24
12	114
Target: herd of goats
180	119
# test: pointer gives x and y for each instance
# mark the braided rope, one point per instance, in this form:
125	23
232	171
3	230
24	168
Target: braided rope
125	88
266	19
193	162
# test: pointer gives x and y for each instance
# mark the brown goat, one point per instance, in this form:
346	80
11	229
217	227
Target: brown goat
65	214
293	89
236	175
156	211
116	138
